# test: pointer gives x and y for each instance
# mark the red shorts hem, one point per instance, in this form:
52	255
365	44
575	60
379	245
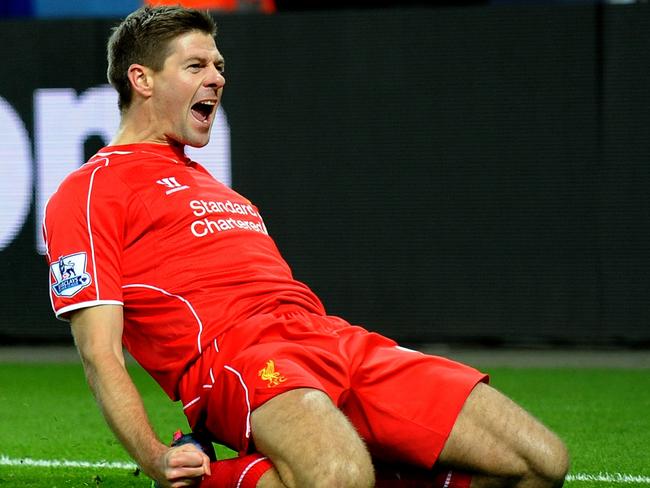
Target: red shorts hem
403	403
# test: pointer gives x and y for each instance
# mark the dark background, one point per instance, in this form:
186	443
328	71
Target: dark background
463	175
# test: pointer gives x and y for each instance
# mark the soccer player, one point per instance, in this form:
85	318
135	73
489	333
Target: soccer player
148	251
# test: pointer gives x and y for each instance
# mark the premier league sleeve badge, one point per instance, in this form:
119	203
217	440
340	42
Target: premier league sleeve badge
70	276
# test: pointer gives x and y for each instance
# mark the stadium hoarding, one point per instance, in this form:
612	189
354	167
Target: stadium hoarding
428	184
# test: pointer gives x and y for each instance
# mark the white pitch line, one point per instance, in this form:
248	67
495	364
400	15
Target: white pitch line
604	477
609	478
64	463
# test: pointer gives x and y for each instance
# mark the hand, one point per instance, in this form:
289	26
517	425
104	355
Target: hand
184	465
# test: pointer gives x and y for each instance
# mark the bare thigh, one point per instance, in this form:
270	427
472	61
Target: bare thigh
310	441
496	438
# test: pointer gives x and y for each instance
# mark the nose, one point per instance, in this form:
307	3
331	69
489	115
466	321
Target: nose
215	78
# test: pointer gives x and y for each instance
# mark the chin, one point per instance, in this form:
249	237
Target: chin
198	144
200	141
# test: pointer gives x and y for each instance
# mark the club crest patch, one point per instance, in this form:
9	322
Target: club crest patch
268	373
70	275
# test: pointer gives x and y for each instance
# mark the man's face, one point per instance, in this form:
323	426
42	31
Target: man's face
186	92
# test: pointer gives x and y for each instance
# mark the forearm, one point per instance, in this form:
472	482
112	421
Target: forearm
98	335
124	411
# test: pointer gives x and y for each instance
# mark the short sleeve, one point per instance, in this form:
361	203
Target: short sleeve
84	231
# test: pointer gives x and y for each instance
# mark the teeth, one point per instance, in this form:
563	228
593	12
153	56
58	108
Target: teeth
209	102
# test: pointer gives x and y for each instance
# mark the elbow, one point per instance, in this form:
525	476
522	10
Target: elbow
96	358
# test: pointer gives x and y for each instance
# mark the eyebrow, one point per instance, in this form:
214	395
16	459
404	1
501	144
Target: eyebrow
219	61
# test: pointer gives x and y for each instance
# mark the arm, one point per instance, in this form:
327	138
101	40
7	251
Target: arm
98	336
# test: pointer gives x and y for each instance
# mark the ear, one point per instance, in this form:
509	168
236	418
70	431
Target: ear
141	79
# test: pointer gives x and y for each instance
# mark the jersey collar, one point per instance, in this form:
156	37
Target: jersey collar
175	153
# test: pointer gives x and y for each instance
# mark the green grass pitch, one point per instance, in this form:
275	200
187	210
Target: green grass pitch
47	414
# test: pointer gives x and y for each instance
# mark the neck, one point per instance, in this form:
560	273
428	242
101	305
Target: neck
139	126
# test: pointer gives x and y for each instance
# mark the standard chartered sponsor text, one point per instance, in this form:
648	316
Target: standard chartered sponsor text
207	226
203	207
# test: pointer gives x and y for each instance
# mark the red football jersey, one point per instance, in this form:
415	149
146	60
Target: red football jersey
143	226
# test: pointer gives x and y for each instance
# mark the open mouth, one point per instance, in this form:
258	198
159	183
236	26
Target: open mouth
203	110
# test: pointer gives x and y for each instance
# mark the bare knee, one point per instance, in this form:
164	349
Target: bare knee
311	443
340	472
547	468
508	447
346	463
550	467
543	466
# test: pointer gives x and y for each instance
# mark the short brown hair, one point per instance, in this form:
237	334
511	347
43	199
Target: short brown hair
144	37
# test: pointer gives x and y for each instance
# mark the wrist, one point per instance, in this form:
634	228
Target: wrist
153	462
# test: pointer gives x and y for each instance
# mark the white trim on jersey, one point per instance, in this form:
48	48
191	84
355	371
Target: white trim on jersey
189	404
90	232
89	303
104	154
207	386
49	258
248	403
248	468
185	301
47	249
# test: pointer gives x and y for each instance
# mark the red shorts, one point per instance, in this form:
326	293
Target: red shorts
403	403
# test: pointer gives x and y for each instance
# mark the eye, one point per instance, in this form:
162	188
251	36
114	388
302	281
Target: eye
219	64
